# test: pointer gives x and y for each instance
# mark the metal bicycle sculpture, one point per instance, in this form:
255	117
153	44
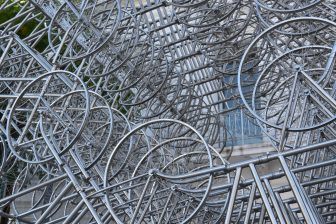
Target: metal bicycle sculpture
112	111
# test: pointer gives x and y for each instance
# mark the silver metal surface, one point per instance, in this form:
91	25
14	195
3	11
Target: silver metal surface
130	111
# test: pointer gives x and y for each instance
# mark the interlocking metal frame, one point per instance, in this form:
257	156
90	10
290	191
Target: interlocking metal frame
116	111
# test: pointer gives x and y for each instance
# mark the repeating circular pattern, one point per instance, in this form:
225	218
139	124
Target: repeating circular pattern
130	111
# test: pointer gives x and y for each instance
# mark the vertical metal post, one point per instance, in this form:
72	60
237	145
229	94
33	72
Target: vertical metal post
262	193
283	208
250	204
274	201
309	215
262	214
233	195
